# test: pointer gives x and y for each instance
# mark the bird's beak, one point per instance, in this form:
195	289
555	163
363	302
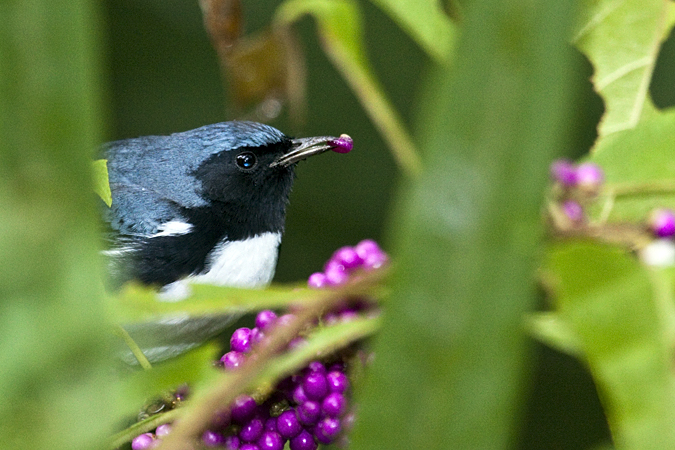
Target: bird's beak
306	147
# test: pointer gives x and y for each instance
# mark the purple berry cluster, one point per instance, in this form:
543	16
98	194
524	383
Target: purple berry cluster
306	409
574	186
366	255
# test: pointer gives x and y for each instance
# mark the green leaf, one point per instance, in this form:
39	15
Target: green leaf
101	183
53	349
622	38
426	22
639	167
339	24
138	304
193	367
623	315
551	329
451	356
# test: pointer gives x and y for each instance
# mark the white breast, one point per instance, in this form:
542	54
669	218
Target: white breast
249	263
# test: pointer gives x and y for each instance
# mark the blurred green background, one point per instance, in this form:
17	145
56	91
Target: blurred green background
162	76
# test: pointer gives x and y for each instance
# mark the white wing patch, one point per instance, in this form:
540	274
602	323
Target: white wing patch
248	264
173	228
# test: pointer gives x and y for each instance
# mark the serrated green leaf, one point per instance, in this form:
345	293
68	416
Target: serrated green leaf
622	38
639	166
339	25
101	182
426	22
624	319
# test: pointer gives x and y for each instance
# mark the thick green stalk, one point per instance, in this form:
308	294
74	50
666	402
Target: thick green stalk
52	332
450	361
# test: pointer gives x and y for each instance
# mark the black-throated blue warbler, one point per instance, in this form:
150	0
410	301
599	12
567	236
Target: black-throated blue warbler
206	206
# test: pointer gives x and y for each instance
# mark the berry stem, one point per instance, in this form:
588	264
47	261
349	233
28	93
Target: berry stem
637	189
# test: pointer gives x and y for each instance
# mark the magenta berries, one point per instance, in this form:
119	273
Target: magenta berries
575	186
311	406
366	255
662	223
343	144
586	176
564	172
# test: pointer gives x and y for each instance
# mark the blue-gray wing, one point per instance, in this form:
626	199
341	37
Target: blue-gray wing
151	183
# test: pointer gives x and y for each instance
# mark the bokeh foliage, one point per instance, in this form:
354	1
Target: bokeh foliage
490	93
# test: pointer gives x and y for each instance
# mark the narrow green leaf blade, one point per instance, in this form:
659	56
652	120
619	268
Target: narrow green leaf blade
341	32
101	182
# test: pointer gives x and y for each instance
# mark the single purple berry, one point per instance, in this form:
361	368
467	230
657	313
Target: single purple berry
243	408
366	247
343	144
337	381
142	441
348	421
241	340
249	446
299	395
573	211
348	316
163	430
334	405
265	319
303	441
232	443
315	385
257	336
347	257
251	430
372	255
297	342
271	424
182	392
589	177
317	280
327	430
316	366
270	440
233	360
284	320
564	172
336	274
212	439
308	412
375	260
330	318
662	222
288	424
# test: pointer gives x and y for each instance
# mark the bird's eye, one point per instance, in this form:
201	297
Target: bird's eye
246	160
